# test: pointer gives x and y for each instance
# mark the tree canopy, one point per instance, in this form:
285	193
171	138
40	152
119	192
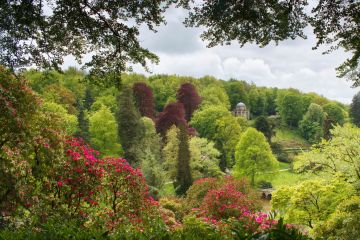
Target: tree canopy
340	154
44	32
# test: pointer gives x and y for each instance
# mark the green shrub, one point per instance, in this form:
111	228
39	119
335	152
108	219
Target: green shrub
176	205
264	184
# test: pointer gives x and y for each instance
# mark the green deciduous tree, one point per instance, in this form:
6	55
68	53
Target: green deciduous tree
171	152
61	95
149	153
220	126
204	158
237	92
253	155
214	95
334	115
228	132
69	121
204	161
103	132
263	125
312	201
342	224
204	120
107	100
340	154
257	101
164	88
312	124
290	107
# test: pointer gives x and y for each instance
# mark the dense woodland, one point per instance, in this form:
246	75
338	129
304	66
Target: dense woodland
102	153
165	157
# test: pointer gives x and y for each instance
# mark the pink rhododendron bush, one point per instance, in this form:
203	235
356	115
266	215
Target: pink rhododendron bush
102	191
230	208
95	192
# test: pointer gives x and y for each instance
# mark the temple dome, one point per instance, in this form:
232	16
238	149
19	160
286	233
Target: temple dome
241	104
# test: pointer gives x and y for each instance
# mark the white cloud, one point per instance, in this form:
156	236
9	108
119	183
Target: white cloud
255	69
292	63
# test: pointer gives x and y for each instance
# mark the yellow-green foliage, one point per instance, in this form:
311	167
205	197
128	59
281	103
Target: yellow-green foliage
312	201
103	130
253	155
340	154
69	121
344	223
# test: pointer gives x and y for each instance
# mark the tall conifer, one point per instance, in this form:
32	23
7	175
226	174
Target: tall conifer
183	177
131	129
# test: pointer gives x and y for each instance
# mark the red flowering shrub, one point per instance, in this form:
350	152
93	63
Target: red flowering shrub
126	195
196	193
227	185
229	207
108	191
79	182
225	202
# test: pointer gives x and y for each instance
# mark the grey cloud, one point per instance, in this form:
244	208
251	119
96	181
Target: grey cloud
174	37
292	63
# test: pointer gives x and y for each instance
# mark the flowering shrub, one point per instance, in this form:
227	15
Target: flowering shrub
126	196
225	202
228	209
105	192
228	186
78	184
198	190
30	145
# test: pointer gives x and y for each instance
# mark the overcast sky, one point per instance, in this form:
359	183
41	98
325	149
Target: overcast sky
290	64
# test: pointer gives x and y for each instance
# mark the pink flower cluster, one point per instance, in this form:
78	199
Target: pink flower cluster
120	188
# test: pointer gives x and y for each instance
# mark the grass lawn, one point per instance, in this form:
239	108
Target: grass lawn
283	178
283	165
289	138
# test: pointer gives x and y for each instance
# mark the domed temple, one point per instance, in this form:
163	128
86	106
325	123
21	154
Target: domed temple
241	111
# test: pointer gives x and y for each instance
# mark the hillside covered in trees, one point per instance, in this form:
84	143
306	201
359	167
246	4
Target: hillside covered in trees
202	156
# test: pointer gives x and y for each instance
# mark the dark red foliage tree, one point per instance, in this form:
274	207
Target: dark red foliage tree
173	114
189	97
144	99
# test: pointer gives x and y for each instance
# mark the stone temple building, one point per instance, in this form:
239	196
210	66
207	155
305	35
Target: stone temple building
241	111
